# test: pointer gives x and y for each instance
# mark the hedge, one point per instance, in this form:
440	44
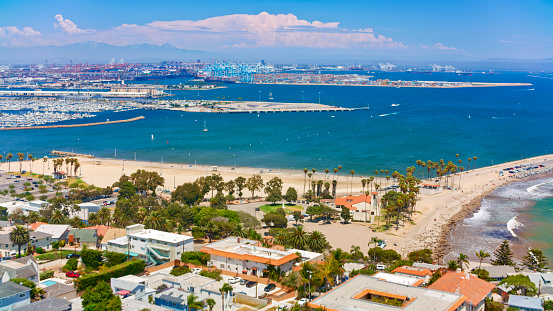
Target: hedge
71	265
129	267
46	274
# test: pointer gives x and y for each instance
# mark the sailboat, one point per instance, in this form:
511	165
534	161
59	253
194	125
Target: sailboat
205	127
271	95
152	136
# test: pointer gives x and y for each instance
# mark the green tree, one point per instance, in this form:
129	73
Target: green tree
297	216
91	258
254	183
317	241
291	194
146	181
240	183
273	189
35	292
503	255
463	261
275	219
224	291
114	258
422	255
210	303
298	238
481	256
58	217
19	236
345	214
193	304
520	284
100	298
535	260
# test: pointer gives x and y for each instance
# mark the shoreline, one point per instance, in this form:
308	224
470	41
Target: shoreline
453	86
70	125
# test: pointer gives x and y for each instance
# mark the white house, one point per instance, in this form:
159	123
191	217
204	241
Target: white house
26	207
58	232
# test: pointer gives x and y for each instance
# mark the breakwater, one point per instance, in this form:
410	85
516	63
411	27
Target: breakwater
70	125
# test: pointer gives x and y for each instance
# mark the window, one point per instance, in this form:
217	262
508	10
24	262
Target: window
22	295
222	266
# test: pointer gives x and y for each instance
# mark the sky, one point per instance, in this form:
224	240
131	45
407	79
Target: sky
464	30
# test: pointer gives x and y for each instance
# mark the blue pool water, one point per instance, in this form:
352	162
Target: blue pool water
48	283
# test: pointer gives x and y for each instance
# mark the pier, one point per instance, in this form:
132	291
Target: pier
69	125
256	107
69	154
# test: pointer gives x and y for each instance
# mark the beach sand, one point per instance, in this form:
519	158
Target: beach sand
435	214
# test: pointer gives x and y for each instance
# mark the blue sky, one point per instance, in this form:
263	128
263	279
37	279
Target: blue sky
400	29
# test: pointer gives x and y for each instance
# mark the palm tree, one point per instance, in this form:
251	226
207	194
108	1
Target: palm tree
481	255
339	168
326	172
305	170
387	177
363	184
335	170
352	172
30	156
463	260
354	251
238	231
317	241
374	240
280	238
193	304
9	156
104	215
474	163
156	221
1	157
44	160
57	218
470	159
298	238
20	157
452	265
210	303
33	217
224	291
334	183
20	236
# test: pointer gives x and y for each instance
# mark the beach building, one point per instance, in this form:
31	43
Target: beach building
112	234
151	245
525	303
498	273
58	232
543	281
476	290
368	293
37	239
429	266
26	207
82	237
59	175
240	255
13	295
420	273
35	225
398	279
363	207
24	268
49	304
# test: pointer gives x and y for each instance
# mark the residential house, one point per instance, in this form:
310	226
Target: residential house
420	273
399	279
432	267
363	207
498	273
59	175
26	207
24	268
101	230
525	303
13	295
369	293
151	245
112	234
86	209
476	290
132	285
60	290
246	256
131	304
544	282
35	225
82	237
58	232
48	304
37	239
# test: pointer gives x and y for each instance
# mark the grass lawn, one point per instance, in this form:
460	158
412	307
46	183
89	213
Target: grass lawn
50	255
289	208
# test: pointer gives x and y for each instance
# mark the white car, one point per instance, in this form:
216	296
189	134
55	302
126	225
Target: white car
235	280
303	301
196	270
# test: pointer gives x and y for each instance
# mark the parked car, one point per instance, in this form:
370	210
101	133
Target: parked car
71	274
257	209
269	288
303	301
235	280
243	282
250	284
196	270
73	256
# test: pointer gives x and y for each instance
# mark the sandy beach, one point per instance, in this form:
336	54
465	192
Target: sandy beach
434	216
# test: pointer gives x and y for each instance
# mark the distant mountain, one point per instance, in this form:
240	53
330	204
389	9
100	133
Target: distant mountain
98	52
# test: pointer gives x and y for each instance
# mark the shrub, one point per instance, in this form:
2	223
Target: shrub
198	258
176	271
214	274
114	258
46	274
71	265
35	292
91	258
129	267
39	250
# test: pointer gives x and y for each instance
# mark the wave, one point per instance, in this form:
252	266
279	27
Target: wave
388	114
513	224
535	187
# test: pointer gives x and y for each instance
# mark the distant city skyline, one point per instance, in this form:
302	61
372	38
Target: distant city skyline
408	30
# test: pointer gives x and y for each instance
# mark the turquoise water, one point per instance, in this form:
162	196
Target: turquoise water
48	283
538	228
430	124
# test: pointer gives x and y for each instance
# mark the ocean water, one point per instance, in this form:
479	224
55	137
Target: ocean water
520	212
496	124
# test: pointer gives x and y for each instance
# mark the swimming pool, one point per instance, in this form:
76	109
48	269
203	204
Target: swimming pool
48	283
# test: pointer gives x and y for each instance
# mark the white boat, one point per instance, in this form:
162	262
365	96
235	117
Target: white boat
395	105
205	127
152	136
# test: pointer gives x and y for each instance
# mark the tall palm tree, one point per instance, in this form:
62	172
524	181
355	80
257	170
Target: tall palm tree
20	236
57	218
463	260
363	184
374	240
30	156
334	184
474	162
305	170
335	170
44	160
298	237
33	217
104	215
387	177
352	172
193	304
9	156
210	303
354	251
326	172
481	256
224	291
339	168
317	241
156	221
238	231
1	157
469	159
20	157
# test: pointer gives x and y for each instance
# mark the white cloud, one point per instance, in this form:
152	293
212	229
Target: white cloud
440	46
70	27
14	31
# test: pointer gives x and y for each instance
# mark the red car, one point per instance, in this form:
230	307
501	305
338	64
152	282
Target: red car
71	274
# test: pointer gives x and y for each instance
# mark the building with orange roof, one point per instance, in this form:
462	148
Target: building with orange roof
35	225
363	207
420	273
100	229
369	293
247	256
476	290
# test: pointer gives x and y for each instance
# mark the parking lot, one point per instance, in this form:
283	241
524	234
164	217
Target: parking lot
248	291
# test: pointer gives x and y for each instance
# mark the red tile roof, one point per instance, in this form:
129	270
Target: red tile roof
464	283
349	201
36	225
413	271
100	229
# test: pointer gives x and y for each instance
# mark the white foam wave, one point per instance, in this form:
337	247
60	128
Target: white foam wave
513	224
387	114
535	187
